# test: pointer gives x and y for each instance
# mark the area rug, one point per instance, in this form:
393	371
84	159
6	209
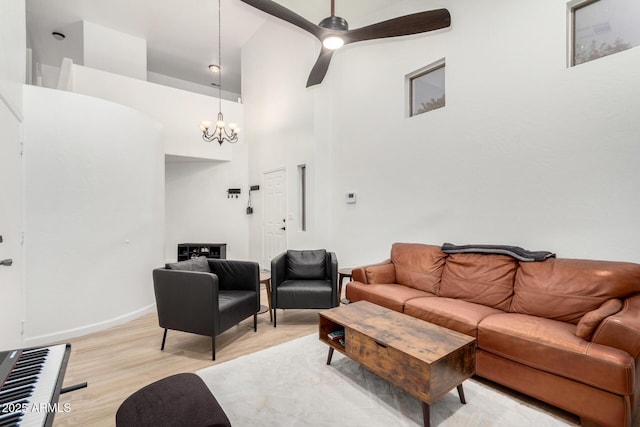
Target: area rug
291	385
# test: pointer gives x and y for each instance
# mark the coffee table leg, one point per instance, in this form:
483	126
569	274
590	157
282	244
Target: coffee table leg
426	414
330	355
461	394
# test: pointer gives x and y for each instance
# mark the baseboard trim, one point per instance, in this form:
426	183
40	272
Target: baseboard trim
46	339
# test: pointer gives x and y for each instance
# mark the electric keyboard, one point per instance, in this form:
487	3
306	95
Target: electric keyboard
31	382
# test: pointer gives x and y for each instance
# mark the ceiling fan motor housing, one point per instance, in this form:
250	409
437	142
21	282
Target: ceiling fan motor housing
334	23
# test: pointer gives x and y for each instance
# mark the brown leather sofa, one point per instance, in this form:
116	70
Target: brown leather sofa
564	331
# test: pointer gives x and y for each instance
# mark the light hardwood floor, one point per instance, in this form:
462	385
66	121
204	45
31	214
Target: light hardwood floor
118	361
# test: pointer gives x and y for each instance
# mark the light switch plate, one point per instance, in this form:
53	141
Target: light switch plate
350	197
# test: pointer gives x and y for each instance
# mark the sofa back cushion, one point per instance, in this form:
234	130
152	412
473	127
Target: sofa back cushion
567	289
479	278
194	264
307	265
418	266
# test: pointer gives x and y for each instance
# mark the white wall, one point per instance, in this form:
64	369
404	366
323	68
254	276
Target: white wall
179	111
197	207
12	74
94	213
526	152
165	80
13	46
198	172
279	122
113	51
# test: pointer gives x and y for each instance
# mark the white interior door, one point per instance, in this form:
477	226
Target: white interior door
10	230
275	215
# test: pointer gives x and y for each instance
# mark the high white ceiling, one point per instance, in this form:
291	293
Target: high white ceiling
181	35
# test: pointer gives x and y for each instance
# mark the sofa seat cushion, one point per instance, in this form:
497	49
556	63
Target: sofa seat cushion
418	266
391	296
480	278
234	306
458	315
305	294
552	346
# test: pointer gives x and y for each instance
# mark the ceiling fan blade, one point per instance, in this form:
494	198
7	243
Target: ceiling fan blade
415	23
320	68
281	12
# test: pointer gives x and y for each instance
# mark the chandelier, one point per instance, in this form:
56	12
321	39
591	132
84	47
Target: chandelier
219	133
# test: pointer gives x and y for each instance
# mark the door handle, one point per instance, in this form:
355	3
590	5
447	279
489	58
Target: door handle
7	262
283	228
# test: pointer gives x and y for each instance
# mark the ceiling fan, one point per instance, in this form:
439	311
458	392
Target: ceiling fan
334	32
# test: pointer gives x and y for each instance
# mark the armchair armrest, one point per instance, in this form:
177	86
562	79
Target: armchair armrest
332	269
236	275
186	300
278	269
622	330
383	272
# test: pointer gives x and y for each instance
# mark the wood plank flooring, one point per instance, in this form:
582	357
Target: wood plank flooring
118	361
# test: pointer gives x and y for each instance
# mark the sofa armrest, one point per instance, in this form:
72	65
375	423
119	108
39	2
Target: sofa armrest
383	272
622	330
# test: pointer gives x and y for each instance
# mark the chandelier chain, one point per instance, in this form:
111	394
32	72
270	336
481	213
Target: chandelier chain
219	133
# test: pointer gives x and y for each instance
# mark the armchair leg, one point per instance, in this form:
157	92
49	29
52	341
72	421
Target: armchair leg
274	317
164	338
255	322
213	347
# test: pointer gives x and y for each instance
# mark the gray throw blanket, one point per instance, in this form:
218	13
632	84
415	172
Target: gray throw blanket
513	251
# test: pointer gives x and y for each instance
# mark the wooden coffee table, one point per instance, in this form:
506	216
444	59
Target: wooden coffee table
423	359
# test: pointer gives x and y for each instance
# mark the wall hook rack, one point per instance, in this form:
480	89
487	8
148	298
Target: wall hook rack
231	192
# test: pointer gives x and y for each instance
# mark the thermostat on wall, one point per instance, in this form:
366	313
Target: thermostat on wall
350	197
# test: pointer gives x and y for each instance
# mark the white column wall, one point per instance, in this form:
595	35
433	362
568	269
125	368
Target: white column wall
12	75
526	152
94	213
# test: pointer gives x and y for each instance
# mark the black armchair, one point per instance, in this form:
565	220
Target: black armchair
206	296
304	279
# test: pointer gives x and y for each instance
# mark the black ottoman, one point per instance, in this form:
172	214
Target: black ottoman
175	401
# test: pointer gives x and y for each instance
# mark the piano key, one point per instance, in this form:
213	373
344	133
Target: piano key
10	420
18	382
18	394
32	370
29	387
41	399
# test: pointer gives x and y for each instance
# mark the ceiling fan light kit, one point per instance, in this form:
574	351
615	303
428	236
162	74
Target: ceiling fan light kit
334	32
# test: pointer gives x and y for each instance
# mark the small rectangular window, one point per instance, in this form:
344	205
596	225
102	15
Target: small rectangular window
302	196
602	27
426	88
